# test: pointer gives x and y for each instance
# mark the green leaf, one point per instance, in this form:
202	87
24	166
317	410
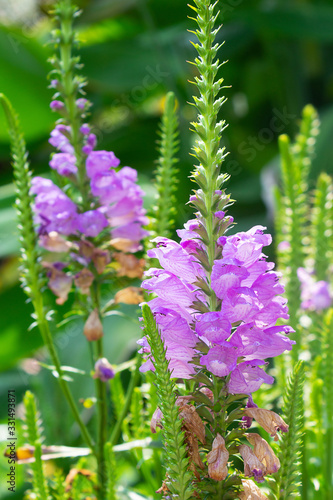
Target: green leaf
291	443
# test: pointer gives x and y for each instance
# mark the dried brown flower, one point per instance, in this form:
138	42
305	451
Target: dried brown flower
129	265
129	295
251	491
264	452
271	422
84	280
217	459
252	465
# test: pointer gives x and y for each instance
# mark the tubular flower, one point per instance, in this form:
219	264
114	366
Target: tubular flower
237	338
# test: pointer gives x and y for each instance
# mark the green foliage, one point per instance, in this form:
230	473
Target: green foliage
327	348
178	476
321	227
291	444
33	424
111	472
164	210
66	67
30	264
293	210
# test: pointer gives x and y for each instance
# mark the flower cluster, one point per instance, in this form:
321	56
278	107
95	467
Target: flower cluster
118	203
236	338
115	217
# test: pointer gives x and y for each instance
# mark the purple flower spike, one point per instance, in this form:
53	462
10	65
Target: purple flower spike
91	223
64	164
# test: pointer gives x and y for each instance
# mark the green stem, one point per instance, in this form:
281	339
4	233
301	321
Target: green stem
70	96
48	341
133	382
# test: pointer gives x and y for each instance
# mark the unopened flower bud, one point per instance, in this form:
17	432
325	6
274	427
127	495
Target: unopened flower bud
57	105
251	491
252	465
264	453
270	421
83	280
93	328
103	370
217	459
101	259
129	295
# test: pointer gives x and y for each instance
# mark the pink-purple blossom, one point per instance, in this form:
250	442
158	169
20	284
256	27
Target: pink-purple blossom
241	333
315	295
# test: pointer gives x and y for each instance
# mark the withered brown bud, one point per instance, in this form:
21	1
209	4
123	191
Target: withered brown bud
129	265
123	244
252	465
251	491
129	295
93	328
100	258
53	242
86	249
59	283
192	422
271	422
264	452
84	280
217	459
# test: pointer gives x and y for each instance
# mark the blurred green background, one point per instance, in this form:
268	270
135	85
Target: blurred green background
280	58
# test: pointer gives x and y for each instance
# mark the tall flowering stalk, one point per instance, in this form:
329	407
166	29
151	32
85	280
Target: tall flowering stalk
216	305
80	232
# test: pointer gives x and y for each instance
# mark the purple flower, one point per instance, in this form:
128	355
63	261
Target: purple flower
220	360
214	327
64	164
54	211
57	105
91	223
100	161
315	295
248	377
82	103
60	141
